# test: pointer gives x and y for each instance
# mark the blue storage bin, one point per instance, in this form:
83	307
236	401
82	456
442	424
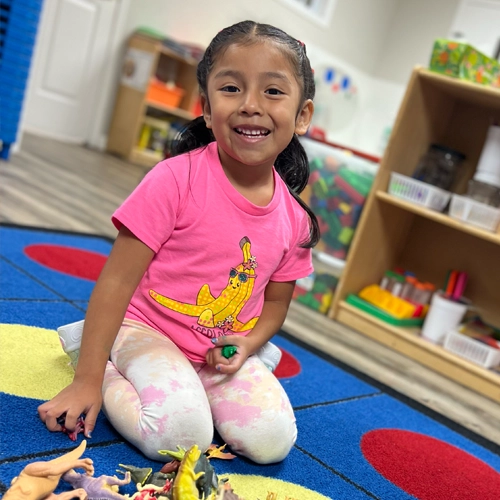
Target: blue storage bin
18	28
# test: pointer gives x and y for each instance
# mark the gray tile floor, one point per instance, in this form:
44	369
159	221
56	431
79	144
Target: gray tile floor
63	186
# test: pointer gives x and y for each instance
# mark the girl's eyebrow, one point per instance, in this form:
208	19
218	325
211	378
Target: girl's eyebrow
237	74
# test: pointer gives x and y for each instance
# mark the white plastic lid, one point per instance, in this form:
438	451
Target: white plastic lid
329	264
488	167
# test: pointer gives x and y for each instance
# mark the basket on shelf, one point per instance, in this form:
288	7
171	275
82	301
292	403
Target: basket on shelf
418	192
471	349
475	213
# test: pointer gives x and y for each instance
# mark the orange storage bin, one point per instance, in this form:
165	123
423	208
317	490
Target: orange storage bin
163	94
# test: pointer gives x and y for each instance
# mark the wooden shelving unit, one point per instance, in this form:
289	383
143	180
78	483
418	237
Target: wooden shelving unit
132	105
396	233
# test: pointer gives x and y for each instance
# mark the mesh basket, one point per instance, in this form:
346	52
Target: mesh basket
418	192
471	349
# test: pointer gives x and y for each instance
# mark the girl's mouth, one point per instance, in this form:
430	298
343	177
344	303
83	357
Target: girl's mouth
253	133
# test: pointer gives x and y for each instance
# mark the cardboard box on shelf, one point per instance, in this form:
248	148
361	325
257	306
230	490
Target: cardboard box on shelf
463	61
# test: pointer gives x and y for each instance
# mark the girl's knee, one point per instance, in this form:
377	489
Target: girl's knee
267	445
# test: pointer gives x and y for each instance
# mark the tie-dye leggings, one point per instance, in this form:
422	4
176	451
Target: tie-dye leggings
157	399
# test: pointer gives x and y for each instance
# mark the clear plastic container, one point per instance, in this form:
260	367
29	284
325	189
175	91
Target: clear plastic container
421	293
439	166
484	192
474	212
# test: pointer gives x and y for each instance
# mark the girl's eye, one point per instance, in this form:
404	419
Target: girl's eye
230	88
274	92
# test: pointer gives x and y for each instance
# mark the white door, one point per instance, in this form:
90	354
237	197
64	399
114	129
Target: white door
69	67
478	23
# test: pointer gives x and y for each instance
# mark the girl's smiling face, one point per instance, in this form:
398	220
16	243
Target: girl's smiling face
254	105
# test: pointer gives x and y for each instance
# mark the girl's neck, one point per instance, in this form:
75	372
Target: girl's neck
255	183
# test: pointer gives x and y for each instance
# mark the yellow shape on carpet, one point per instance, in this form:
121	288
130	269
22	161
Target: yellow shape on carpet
250	486
32	362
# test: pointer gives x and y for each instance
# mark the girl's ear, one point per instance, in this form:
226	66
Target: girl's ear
304	117
207	115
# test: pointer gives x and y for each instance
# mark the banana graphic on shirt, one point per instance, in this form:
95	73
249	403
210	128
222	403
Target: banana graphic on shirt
221	311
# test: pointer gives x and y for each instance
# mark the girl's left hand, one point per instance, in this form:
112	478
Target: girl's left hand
244	348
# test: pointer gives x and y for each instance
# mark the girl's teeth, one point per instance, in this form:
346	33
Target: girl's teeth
251	132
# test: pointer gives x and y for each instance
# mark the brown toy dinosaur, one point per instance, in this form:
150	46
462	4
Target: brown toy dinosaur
38	480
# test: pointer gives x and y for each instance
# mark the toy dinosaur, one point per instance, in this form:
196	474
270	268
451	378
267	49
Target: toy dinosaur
206	482
38	480
97	488
137	474
185	479
79	427
152	492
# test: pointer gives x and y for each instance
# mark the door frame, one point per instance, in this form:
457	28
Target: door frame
102	105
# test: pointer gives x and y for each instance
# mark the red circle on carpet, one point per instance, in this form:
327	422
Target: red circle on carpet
429	468
68	260
288	366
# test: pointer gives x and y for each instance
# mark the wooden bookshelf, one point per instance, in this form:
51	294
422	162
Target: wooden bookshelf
393	232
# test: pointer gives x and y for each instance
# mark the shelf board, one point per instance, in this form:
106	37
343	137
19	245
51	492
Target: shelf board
180	113
463	89
407	341
144	157
438	217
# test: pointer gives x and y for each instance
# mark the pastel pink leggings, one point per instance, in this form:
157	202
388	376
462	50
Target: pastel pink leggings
157	399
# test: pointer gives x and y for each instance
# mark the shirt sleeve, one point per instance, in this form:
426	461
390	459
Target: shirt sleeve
297	261
150	211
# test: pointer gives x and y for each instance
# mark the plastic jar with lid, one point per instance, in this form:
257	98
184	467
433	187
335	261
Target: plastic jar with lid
422	293
408	287
439	166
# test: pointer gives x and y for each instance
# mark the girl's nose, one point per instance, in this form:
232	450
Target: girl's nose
251	104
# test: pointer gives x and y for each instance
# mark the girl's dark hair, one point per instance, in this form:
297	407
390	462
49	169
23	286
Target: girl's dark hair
292	163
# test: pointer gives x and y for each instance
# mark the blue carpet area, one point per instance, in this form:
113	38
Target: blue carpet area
335	405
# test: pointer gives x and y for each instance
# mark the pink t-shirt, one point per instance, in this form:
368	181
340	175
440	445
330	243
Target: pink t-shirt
215	251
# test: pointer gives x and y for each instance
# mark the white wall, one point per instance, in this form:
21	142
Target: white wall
377	41
415	26
353	23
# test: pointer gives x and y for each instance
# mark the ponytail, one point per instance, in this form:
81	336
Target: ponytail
193	136
292	165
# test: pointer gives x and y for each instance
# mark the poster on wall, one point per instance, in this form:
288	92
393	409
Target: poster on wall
136	68
336	100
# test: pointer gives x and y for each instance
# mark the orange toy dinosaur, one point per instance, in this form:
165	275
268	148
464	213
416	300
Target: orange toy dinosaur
38	480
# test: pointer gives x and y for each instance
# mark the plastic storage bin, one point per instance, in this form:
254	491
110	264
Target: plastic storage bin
474	212
418	192
316	290
339	184
471	349
163	94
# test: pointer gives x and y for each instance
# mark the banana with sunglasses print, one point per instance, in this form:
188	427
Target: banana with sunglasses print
222	311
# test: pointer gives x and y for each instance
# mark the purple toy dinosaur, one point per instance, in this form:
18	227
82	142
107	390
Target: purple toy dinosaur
97	488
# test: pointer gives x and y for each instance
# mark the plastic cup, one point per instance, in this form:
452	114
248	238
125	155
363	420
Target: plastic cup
444	314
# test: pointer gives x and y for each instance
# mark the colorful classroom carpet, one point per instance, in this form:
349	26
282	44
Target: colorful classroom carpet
357	439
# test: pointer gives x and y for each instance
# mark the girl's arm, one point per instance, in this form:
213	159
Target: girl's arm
120	276
277	299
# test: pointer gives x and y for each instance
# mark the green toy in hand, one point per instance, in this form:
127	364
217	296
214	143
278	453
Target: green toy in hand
229	351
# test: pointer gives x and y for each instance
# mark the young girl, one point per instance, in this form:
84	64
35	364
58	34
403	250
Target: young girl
209	247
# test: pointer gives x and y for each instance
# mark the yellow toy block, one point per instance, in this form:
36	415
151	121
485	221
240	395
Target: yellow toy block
384	300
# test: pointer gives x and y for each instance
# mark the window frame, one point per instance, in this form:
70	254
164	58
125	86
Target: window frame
320	11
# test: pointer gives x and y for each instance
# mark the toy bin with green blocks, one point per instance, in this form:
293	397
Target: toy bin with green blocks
338	186
316	290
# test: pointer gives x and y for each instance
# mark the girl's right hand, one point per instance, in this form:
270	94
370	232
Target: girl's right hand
76	399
